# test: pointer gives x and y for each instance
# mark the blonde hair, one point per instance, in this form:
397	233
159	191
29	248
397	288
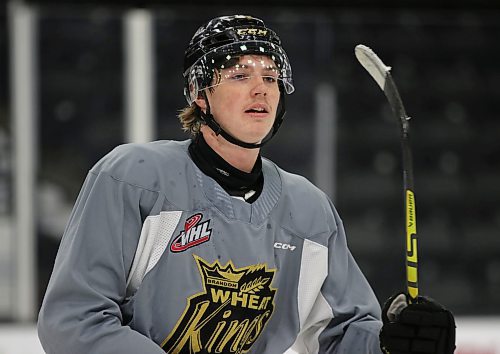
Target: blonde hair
190	119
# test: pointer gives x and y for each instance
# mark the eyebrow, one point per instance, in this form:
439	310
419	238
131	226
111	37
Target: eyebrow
267	68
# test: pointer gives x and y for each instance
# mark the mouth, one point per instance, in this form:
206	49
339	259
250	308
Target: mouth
257	110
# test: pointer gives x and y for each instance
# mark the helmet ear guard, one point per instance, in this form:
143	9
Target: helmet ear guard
191	89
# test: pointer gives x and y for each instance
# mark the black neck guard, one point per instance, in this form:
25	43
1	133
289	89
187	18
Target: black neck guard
235	182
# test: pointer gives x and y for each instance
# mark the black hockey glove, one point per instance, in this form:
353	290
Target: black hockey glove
424	327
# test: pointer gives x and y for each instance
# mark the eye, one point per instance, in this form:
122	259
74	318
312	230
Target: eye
238	76
270	79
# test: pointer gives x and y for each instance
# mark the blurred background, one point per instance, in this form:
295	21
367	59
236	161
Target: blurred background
79	78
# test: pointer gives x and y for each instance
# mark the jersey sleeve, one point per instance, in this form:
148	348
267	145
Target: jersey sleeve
355	323
338	311
81	312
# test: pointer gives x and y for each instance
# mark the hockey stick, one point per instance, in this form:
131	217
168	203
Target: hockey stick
381	74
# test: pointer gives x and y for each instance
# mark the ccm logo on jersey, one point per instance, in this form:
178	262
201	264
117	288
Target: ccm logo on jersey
284	246
194	233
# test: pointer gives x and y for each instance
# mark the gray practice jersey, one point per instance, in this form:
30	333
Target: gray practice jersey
157	258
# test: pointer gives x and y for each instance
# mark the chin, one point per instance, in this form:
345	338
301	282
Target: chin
254	136
255	139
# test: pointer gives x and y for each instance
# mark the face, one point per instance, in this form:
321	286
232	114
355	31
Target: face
244	98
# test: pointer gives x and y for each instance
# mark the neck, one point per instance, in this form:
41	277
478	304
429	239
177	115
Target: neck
241	158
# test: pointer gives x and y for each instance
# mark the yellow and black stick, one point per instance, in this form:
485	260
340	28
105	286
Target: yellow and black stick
382	75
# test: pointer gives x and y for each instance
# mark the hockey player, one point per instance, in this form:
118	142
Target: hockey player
204	246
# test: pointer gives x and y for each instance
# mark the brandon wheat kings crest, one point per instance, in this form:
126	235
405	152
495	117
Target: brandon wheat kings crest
229	315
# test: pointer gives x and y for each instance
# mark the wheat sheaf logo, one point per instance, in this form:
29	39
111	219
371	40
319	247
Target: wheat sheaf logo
229	315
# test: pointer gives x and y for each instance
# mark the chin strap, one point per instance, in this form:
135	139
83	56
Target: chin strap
209	120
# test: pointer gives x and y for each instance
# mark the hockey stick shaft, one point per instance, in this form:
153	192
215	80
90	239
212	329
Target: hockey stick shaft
381	74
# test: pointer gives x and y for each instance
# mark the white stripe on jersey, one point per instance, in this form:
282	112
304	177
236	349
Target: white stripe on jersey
156	233
312	306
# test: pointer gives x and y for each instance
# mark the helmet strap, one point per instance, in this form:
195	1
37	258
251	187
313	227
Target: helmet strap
208	118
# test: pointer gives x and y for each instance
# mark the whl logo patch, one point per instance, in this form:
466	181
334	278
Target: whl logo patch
194	234
229	314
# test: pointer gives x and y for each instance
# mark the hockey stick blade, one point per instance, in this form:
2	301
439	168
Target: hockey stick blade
372	63
381	73
382	76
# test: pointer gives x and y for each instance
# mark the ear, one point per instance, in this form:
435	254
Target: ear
200	102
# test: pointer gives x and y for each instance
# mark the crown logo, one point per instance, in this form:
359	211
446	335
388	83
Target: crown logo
224	276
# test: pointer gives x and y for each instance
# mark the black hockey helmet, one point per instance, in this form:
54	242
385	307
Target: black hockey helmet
220	41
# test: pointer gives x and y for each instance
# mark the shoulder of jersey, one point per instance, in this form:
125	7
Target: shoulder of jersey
142	164
306	209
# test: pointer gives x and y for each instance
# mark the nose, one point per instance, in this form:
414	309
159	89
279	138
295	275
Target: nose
258	86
